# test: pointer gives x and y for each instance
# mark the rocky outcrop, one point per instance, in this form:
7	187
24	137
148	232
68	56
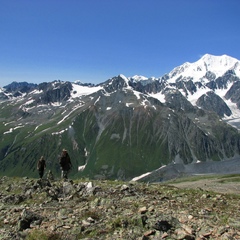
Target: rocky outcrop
56	91
115	84
19	88
234	93
212	102
175	100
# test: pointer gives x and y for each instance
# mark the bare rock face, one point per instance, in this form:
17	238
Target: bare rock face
56	91
212	102
233	93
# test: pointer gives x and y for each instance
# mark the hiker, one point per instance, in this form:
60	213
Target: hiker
41	165
65	163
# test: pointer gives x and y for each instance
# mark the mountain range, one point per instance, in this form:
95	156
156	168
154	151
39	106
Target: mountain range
126	127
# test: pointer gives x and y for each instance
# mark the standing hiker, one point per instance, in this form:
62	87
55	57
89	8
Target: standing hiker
65	163
41	165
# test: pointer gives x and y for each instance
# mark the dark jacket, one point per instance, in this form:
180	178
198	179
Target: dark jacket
41	164
65	161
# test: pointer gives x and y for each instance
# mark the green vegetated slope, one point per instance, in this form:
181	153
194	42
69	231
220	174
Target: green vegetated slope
114	139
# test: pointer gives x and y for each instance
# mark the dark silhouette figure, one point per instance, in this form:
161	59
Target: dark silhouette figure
65	163
41	165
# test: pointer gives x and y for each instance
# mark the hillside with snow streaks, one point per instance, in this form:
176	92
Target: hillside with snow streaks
129	126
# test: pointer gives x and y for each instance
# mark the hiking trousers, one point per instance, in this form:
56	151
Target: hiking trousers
65	173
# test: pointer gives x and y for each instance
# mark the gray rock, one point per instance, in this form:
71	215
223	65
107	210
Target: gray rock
27	218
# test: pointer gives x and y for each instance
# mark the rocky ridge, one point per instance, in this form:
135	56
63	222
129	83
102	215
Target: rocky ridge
84	209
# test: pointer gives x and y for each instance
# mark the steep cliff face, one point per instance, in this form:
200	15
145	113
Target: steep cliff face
212	102
234	93
54	92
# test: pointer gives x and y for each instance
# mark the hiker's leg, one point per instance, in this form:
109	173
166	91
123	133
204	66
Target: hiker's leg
40	174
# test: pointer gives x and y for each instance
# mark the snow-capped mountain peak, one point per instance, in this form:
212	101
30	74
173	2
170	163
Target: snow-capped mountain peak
123	77
207	63
223	60
217	64
141	79
137	78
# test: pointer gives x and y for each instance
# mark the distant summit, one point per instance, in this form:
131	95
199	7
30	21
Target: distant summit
199	70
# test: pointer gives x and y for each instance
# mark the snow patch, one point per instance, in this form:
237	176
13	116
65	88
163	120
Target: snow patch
12	129
79	91
128	104
74	109
81	168
137	94
146	174
141	176
9	131
124	78
159	96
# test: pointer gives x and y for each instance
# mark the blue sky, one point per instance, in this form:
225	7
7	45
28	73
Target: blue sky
94	40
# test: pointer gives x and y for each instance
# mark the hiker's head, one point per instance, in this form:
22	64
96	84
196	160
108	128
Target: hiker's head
64	152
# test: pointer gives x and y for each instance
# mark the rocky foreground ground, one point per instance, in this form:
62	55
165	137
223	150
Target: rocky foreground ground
84	209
